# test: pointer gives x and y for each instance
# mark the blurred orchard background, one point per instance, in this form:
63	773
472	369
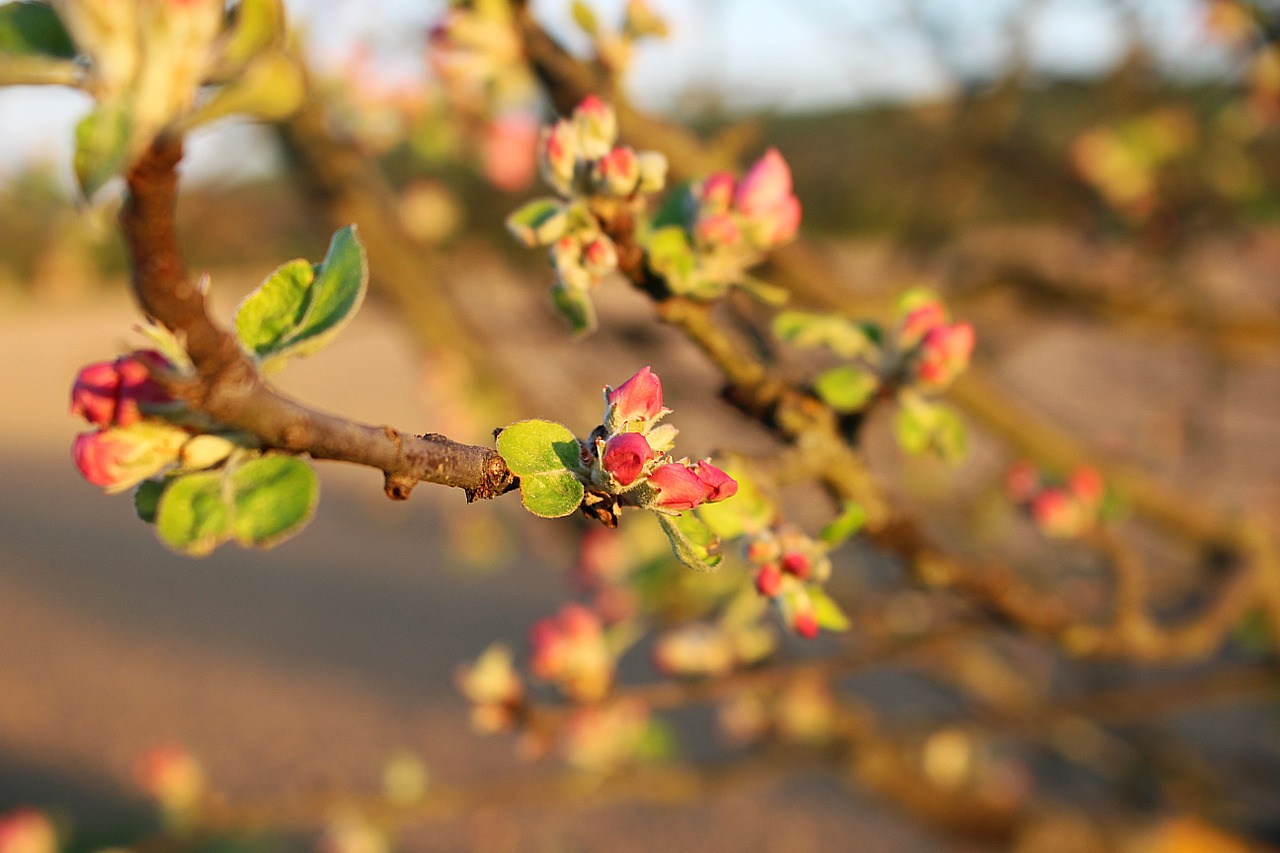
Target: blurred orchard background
1095	184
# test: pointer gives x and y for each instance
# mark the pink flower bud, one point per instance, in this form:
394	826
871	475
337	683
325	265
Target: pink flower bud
1087	486
945	353
560	154
115	459
718	229
763	550
678	487
765	186
715	194
618	171
569	648
109	393
1021	481
768	580
597	127
171	776
599	256
639	399
625	455
919	322
1056	513
805	623
510	151
26	830
718	484
797	564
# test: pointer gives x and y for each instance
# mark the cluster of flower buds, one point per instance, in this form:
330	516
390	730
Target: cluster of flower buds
628	454
133	440
571	650
27	830
934	349
596	180
599	738
475	52
1060	509
494	689
172	777
757	213
787	566
614	48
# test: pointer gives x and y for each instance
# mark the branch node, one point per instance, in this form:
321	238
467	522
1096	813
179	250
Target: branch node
399	486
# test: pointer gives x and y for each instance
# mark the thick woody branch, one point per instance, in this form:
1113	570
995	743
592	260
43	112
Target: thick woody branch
226	385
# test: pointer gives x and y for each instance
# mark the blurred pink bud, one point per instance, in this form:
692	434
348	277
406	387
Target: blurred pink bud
493	687
718	229
1086	484
766	185
560	154
597	127
678	487
511	151
599	256
768	580
797	564
919	322
805	623
109	393
26	830
1021	481
1056	513
637	399
694	650
619	171
569	649
171	776
715	195
763	550
945	353
625	455
718	484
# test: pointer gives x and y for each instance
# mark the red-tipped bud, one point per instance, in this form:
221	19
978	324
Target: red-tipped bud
718	229
945	353
639	399
766	185
919	321
618	171
625	455
797	564
597	127
805	624
715	194
768	580
678	487
717	483
1086	484
560	152
1056	513
599	256
109	393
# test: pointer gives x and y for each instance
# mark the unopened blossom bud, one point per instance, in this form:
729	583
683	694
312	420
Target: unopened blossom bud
570	650
625	455
768	580
1057	513
694	650
597	127
26	830
763	550
919	322
718	229
492	679
1087	486
797	564
805	623
599	257
945	353
115	459
653	172
1021	481
638	400
715	194
171	776
764	196
717	483
110	393
560	152
678	488
618	172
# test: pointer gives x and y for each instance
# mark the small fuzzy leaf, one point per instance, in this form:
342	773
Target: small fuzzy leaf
585	18
921	426
671	257
551	495
193	515
300	308
575	305
913	426
274	496
950	435
34	29
846	524
544	455
841	335
847	388
693	542
146	499
827	613
270	87
102	145
540	222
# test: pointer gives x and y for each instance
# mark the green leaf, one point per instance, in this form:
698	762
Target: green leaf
849	522
270	88
300	308
841	335
847	388
764	292
675	208
950	435
693	542
545	456
913	426
274	496
102	145
671	257
827	613
258	25
34	28
585	18
921	426
146	499
193	515
540	222
575	305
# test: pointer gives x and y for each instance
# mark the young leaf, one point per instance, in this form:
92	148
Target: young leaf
102	145
539	223
693	542
258	25
825	610
194	515
675	208
847	388
34	29
544	455
839	334
585	18
764	292
575	305
146	499
300	308
274	496
846	524
270	87
950	436
671	256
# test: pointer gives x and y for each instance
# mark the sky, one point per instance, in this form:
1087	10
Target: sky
737	54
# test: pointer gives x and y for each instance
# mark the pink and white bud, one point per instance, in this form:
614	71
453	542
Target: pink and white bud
677	487
26	830
597	127
694	650
638	400
944	354
625	456
569	649
111	393
1086	484
715	194
718	229
560	152
920	321
1057	513
717	483
171	776
618	172
805	623
764	197
599	257
115	459
653	172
